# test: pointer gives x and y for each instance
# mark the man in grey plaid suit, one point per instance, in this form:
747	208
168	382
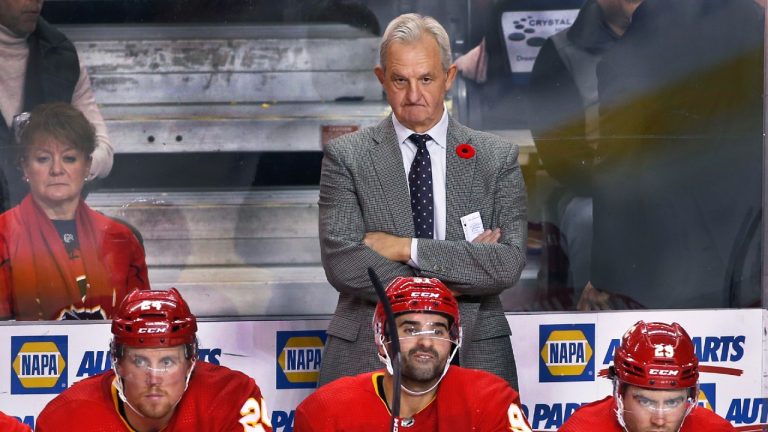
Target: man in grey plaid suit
367	217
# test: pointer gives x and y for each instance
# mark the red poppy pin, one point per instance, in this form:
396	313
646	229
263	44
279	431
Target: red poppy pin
465	151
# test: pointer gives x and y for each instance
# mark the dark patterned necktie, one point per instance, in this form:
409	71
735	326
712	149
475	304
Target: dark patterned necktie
420	183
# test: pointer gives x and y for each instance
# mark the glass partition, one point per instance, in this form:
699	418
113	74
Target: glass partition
640	136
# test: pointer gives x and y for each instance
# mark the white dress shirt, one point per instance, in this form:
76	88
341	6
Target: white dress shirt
437	152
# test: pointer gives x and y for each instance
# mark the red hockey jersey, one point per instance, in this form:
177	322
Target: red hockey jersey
600	416
10	424
217	399
466	400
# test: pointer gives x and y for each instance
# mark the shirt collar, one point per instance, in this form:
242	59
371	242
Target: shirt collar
10	38
439	132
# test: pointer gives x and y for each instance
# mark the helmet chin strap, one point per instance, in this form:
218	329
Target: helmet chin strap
388	362
692	402
119	386
619	404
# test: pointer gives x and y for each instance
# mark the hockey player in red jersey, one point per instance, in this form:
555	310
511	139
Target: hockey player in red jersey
10	424
435	396
655	376
156	382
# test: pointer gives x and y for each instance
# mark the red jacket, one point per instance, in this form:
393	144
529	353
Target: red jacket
38	277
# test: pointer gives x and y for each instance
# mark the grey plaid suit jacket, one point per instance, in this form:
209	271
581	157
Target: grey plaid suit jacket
363	188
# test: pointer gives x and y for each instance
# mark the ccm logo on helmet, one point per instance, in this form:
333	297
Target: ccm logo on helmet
662	372
425	295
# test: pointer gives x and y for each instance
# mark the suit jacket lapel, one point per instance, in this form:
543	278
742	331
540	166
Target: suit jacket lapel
459	177
387	162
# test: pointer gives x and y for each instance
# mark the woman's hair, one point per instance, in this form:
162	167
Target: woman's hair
58	120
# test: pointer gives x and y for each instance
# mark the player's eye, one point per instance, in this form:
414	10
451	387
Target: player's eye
673	403
140	362
645	402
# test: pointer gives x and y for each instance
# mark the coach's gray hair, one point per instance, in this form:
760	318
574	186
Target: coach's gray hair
410	28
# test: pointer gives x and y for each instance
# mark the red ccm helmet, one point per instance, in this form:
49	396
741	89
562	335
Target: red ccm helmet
656	355
416	294
153	319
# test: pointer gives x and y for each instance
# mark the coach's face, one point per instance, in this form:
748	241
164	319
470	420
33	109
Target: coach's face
154	380
415	82
648	410
425	346
20	16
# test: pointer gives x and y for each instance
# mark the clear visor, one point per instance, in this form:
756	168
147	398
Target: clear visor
431	334
434	331
162	366
664	406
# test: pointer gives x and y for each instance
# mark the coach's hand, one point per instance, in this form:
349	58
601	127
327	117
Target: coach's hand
389	246
488	236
